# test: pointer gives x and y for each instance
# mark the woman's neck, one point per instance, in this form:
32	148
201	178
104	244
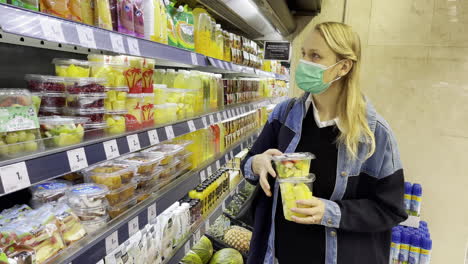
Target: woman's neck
326	102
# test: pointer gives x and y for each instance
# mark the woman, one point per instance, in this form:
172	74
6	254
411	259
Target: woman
359	178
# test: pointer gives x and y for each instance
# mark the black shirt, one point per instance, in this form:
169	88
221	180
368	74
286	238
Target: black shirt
297	243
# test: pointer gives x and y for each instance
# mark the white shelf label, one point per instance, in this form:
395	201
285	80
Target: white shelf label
153	137
205	122
238	112
112	242
208	171
77	159
133	46
232	113
117	43
226	157
133	226
86	36
229	114
196	236
52	29
14	177
224	115
218	115
152	213
211	120
212	61
220	64
111	149
191	126
223	205
207	225
218	164
133	143
100	262
169	132
202	176
194	58
231	154
187	247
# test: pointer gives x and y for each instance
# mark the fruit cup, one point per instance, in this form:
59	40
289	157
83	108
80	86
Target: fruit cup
45	83
36	100
115	122
113	175
120	208
52	99
134	112
165	113
94	115
112	72
293	164
147	75
50	111
133	73
85	101
170	152
85	85
62	131
147	111
90	198
121	194
71	68
116	98
160	96
177	96
294	189
145	162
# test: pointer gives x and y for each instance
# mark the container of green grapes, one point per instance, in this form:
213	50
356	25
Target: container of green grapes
293	164
294	189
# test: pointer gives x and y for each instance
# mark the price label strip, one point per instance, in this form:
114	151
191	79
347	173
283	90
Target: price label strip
211	120
205	122
133	143
133	46
208	171
169	132
218	115
52	29
224	115
86	36
112	242
218	164
111	149
117	43
14	177
153	137
77	159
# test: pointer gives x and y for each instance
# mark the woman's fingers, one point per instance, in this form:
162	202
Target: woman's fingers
270	170
310	202
264	183
306	211
304	220
273	152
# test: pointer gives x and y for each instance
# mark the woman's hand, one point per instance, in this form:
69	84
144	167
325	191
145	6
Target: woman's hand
314	211
261	165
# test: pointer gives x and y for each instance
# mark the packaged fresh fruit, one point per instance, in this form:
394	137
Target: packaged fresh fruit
95	130
115	122
147	111
71	68
147	75
169	171
132	73
134	112
20	142
47	192
91	100
111	174
69	225
45	83
52	99
87	195
112	72
293	164
160	96
85	85
94	115
116	98
121	194
145	162
142	196
169	150
120	208
147	182
95	224
36	100
294	189
62	131
165	113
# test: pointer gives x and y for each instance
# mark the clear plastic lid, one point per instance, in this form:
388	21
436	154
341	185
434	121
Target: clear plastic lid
88	190
183	143
50	110
11	97
95	126
85	80
116	112
47	94
133	95
143	158
108	169
159	86
166	105
82	63
44	78
84	111
117	89
167	149
123	205
304	179
50	188
86	95
131	185
294	156
61	120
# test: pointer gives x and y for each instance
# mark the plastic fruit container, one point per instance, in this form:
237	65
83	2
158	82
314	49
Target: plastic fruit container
293	189
95	130
51	191
96	224
17	143
84	85
115	122
116	98
112	72
141	196
94	115
50	111
119	209
121	194
62	131
160	96
91	100
45	83
134	112
52	99
293	164
110	174
87	196
169	170
147	111
145	162
147	75
165	113
71	68
133	74
169	150
36	100
69	224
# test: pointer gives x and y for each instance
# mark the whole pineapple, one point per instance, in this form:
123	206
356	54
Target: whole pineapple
238	238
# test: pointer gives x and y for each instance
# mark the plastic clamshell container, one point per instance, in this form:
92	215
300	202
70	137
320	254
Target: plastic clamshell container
120	208
115	121
145	182
62	131
121	194
87	195
85	101
165	113
52	99
111	174
71	68
91	213
116	98
84	85
293	164
50	111
169	170
145	162
143	195
92	226
15	97
95	115
293	189
50	191
169	150
45	83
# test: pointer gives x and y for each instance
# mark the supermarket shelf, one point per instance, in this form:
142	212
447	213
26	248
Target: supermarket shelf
20	173
45	27
94	247
202	228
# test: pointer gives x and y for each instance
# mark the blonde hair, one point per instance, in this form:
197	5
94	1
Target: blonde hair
351	104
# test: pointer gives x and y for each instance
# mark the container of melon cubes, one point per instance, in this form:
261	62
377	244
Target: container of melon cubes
293	164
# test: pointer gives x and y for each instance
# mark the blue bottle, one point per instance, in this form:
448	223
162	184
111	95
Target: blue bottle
425	255
415	249
416	197
404	248
407	197
395	248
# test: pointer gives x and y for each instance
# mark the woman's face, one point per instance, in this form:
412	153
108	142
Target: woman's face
315	49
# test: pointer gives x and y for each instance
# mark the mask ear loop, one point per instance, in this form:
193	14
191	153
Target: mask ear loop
339	77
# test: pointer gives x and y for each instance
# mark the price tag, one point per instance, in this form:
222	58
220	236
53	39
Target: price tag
111	149
226	158
231	154
211	120
117	43
223	205
207	225
52	29
187	247
86	36
208	171
112	242
205	122
194	58
100	262
224	115
242	145
169	132
218	164
202	176
196	236
14	177
133	226
133	143
77	159
191	126
152	213
153	137
133	46
218	115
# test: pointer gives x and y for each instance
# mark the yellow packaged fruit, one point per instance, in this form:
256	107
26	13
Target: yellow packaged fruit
71	68
115	122
147	111
165	113
112	72
116	99
134	115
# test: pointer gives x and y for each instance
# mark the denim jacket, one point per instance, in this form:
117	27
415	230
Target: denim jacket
352	214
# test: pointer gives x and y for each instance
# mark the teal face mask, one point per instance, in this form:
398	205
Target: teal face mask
309	77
